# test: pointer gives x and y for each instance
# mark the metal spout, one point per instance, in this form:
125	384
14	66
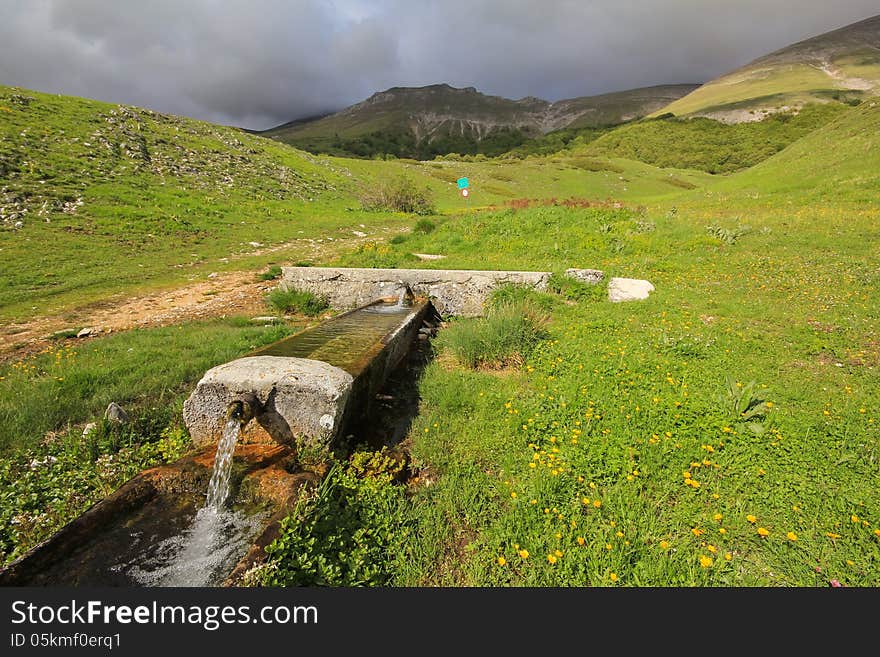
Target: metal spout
243	409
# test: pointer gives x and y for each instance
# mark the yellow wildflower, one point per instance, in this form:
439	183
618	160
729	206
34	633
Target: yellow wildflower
791	536
705	561
502	561
763	532
752	519
524	554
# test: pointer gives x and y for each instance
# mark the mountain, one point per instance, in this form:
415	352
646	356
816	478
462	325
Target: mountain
438	119
843	65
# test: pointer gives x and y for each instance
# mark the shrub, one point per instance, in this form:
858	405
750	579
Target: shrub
424	226
510	294
294	300
575	290
271	274
399	195
505	336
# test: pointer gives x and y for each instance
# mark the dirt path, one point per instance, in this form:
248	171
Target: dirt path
230	293
218	295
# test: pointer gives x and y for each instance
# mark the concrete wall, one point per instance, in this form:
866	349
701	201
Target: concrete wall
452	291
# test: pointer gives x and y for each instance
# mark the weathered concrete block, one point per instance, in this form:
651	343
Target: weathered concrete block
628	289
298	397
452	291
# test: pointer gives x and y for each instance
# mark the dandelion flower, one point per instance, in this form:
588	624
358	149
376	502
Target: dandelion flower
551	559
712	548
705	561
763	532
832	535
502	561
791	536
558	553
717	517
664	545
752	519
854	518
697	532
580	540
597	503
608	546
728	556
524	554
613	577
722	531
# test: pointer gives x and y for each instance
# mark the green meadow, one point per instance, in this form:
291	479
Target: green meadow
722	432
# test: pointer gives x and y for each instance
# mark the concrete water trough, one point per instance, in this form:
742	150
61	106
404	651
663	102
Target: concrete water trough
317	385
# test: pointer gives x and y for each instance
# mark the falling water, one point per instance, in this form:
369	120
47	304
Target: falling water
199	555
218	488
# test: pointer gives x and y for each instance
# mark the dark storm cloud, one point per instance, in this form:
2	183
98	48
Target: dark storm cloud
258	63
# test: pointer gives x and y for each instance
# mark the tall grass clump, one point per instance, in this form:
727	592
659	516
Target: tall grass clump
505	337
296	301
575	290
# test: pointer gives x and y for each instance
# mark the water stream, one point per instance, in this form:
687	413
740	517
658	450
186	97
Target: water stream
218	487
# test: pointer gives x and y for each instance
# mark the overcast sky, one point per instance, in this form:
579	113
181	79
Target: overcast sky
258	63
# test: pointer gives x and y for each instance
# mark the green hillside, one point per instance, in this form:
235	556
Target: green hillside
97	197
840	65
838	162
709	145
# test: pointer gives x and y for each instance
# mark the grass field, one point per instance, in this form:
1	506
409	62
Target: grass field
722	432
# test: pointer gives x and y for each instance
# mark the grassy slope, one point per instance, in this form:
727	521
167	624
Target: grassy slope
839	162
622	106
709	145
793	76
151	199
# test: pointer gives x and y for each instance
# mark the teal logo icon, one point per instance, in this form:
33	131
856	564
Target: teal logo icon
463	183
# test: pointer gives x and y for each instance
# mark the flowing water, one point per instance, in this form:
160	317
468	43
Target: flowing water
201	555
217	537
218	487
